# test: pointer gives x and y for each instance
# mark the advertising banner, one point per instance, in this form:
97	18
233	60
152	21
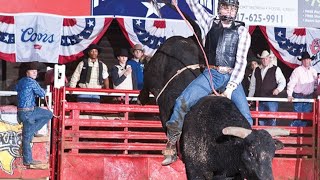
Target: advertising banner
269	13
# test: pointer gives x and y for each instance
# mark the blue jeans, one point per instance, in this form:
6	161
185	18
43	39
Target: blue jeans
88	98
301	107
268	106
32	121
197	89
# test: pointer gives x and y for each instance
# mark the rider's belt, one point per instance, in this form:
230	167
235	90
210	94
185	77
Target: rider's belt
26	109
222	69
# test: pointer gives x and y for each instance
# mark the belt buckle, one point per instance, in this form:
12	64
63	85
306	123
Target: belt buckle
223	69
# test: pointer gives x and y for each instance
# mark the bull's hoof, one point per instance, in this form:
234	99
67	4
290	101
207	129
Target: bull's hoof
169	159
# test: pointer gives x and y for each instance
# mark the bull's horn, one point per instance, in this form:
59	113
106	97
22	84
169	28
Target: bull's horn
236	131
278	132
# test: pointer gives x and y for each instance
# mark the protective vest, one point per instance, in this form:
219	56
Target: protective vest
265	87
127	83
222	44
86	72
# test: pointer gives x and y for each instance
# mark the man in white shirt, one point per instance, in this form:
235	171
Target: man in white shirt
267	81
301	85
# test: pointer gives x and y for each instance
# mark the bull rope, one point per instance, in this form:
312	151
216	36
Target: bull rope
175	4
193	67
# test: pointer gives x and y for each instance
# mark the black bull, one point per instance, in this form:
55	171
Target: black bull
209	151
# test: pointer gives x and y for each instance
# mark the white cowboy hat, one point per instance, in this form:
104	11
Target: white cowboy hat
265	54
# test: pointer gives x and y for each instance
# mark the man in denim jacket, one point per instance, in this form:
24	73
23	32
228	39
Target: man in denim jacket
32	117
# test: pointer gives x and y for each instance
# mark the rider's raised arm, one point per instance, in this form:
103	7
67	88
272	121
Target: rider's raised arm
204	18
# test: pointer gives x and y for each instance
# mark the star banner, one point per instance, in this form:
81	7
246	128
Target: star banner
48	38
151	33
289	43
145	8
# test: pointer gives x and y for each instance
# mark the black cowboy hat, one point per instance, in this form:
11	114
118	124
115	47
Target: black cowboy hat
122	52
305	55
90	47
34	65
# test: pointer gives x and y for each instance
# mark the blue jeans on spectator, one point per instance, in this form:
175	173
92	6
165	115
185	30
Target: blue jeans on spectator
301	107
199	88
33	121
268	106
88	98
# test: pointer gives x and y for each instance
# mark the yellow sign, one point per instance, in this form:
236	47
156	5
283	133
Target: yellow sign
10	142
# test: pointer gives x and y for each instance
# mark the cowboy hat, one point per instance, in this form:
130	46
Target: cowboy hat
305	55
122	52
265	54
31	65
137	47
90	47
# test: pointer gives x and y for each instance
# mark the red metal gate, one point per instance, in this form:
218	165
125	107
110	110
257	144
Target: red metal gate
124	141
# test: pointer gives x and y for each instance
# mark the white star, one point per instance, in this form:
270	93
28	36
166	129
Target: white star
152	41
63	41
280	33
152	9
301	50
294	49
283	42
159	43
80	37
90	23
146	39
6	38
140	33
138	22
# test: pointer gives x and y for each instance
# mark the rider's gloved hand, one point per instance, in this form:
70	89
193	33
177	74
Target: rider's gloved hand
229	89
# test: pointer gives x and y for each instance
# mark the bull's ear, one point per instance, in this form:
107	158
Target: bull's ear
279	145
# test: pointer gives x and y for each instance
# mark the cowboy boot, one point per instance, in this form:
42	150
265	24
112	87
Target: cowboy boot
170	154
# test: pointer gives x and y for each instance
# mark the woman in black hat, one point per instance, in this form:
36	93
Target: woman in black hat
301	85
32	117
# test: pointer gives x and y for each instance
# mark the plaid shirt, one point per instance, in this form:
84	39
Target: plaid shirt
205	21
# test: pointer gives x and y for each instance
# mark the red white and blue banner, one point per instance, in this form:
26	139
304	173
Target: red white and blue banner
47	38
288	44
151	33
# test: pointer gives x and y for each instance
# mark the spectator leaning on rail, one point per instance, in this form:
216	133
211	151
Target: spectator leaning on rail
90	73
267	81
33	118
227	44
136	65
301	85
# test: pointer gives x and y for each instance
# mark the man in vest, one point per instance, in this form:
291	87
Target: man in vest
90	73
226	44
267	81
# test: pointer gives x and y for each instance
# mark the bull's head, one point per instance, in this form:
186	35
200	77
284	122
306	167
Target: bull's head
259	150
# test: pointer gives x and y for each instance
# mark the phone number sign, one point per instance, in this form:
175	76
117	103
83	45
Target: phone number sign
282	13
